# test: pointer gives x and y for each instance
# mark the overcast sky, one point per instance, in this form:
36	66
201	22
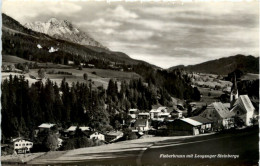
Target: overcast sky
164	34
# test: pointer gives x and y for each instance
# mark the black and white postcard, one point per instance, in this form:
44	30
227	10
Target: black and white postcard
131	82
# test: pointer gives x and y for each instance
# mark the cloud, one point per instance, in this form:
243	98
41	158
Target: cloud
134	34
24	10
121	13
159	33
101	22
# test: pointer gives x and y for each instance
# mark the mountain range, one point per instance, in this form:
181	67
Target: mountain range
72	43
224	66
23	42
65	30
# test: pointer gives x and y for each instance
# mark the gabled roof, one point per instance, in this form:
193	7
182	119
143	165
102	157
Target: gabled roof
154	111
20	138
115	133
133	109
46	125
221	110
162	108
144	113
96	133
244	103
73	128
191	122
201	119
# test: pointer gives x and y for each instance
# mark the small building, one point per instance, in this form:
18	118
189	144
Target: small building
184	126
97	135
159	114
45	126
22	145
206	123
220	116
113	136
176	114
141	125
133	113
244	109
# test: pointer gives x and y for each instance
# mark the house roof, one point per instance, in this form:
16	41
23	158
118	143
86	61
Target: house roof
140	123
96	133
73	128
133	109
115	133
191	122
201	119
244	103
154	111
20	138
221	110
161	108
144	113
46	125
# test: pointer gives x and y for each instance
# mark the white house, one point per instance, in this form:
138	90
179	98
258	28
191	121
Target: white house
133	113
45	126
141	125
22	145
244	109
97	135
160	114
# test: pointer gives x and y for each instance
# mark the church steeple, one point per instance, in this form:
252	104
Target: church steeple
234	92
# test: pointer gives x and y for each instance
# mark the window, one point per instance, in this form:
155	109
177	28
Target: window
238	112
23	144
16	144
27	144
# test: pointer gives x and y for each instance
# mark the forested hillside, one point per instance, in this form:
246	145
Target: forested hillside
223	66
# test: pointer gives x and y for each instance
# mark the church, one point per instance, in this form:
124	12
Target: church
241	105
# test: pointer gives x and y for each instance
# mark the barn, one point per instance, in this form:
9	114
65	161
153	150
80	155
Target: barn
184	126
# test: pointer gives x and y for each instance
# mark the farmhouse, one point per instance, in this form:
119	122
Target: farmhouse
22	145
141	125
160	114
184	126
46	126
220	115
133	113
244	109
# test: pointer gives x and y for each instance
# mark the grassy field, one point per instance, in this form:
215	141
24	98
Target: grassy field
99	77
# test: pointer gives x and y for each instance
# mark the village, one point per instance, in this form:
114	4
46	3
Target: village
159	121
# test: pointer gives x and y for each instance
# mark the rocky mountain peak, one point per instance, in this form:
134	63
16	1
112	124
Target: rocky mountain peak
64	29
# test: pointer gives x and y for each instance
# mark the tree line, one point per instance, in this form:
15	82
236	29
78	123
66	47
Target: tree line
25	107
